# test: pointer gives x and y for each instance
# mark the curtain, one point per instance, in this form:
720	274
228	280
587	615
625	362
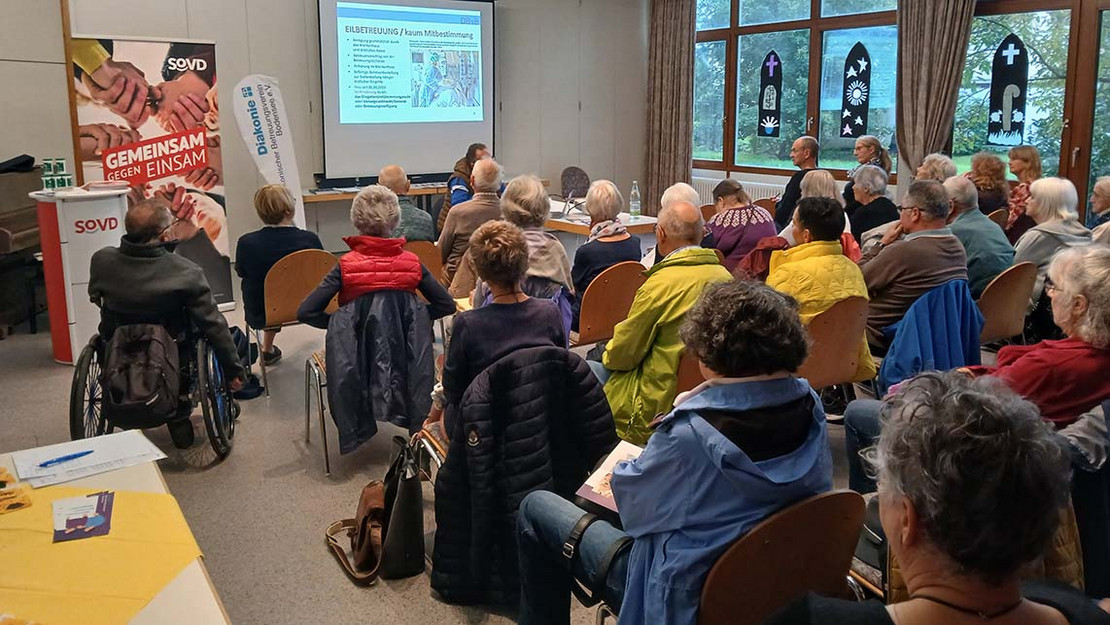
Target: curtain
932	47
670	106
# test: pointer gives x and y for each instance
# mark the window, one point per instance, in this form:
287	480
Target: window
1100	133
713	14
830	8
754	146
857	92
709	100
764	12
1045	38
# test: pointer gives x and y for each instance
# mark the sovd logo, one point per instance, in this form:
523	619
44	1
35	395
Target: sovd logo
83	226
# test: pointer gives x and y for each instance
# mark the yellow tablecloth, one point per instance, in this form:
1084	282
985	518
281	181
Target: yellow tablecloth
104	580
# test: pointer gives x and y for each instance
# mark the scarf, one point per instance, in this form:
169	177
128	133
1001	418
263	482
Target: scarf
603	229
877	162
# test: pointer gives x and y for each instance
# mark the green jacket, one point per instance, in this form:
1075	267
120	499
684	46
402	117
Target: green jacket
645	349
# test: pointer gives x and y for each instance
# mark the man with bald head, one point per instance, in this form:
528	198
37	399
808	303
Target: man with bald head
143	281
415	224
465	218
803	154
641	360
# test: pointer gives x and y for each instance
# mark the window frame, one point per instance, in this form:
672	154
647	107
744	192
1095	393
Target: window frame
817	26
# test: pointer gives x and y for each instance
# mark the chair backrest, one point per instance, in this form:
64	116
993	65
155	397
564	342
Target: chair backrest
835	337
290	280
607	301
689	373
708	211
806	547
766	204
999	217
720	256
575	182
1004	301
429	256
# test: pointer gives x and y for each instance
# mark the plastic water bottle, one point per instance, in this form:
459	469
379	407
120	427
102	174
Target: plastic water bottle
634	200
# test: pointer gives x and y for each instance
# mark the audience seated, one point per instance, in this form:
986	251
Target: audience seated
454	236
816	273
803	154
1025	163
738	224
988	251
677	192
897	272
381	337
817	183
868	152
988	174
1051	204
746	443
511	320
971	487
872	207
609	242
143	281
415	224
937	167
1100	208
525	204
258	251
640	361
460	185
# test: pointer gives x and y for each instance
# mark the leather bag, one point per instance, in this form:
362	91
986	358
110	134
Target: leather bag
365	533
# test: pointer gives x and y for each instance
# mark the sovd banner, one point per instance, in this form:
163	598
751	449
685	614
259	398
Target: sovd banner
263	124
147	114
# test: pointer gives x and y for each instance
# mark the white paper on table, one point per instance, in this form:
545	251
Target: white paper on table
114	451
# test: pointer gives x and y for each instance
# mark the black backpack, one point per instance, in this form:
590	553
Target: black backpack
142	376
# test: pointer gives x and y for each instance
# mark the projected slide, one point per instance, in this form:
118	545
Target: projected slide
408	64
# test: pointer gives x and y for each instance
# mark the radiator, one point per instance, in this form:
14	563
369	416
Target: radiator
755	190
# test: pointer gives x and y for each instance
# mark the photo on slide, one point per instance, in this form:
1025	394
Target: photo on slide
446	79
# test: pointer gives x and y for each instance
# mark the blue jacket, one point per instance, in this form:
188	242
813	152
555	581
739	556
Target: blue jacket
939	332
692	493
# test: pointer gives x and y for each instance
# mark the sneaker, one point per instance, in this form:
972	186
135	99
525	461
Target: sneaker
835	419
271	357
181	431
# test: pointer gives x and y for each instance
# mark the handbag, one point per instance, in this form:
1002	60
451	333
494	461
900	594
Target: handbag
365	533
403	542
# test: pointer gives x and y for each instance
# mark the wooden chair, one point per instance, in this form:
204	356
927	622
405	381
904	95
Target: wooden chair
607	300
430	257
766	204
1004	302
720	256
708	211
316	374
783	558
835	344
287	284
1000	217
689	374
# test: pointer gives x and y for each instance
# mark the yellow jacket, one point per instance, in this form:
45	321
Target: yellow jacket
818	275
644	351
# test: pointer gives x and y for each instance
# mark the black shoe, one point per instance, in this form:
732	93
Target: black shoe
271	357
181	431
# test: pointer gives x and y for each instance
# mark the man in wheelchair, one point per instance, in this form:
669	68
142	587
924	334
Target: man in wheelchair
143	281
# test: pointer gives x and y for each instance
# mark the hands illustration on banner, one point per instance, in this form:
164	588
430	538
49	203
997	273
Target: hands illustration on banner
181	103
95	138
183	207
205	178
121	87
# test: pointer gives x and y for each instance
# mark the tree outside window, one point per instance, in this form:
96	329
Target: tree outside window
792	47
709	100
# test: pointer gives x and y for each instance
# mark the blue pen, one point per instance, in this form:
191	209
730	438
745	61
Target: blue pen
65	458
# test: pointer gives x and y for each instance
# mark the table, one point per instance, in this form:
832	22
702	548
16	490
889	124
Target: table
190	599
417	190
573	229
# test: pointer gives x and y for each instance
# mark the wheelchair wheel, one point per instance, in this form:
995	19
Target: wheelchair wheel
86	395
220	411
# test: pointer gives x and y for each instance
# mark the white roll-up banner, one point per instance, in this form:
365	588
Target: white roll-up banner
264	126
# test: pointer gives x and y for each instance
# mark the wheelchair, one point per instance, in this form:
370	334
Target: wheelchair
202	382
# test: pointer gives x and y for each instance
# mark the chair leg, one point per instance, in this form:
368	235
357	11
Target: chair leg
323	427
857	590
602	612
250	366
261	362
307	398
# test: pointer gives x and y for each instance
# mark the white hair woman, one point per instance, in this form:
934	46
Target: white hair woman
937	167
1051	204
817	183
1100	207
375	262
609	242
873	207
526	205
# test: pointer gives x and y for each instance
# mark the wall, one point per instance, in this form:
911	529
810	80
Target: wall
571	82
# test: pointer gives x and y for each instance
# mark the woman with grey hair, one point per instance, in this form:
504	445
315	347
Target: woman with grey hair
937	167
872	207
375	263
609	242
971	485
1100	210
525	204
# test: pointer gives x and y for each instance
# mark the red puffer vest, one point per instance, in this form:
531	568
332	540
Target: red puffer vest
376	264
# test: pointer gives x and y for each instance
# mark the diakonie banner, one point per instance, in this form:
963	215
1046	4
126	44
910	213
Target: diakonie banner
260	114
147	114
